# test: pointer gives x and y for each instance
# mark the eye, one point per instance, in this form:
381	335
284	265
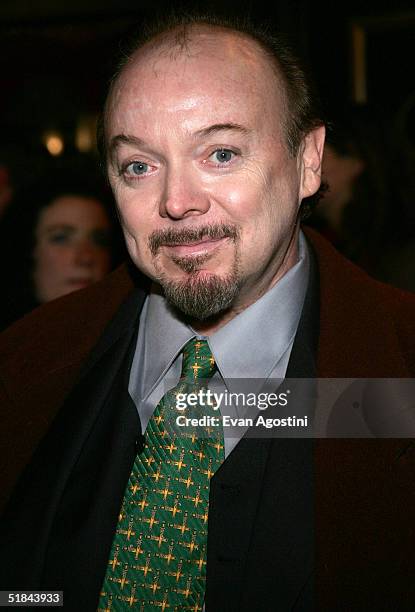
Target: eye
222	156
136	168
59	237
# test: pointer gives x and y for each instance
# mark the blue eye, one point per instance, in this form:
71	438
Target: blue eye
137	168
223	156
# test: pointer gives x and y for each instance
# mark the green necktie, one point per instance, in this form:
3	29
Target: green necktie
158	556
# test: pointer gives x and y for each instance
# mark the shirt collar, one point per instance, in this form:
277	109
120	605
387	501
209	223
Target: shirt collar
165	334
252	343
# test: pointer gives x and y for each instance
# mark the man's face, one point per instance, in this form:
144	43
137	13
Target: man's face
207	191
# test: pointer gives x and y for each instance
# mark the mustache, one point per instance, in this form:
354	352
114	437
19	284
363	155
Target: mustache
187	235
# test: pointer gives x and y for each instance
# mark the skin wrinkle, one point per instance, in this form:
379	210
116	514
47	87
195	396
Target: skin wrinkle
179	40
259	192
242	53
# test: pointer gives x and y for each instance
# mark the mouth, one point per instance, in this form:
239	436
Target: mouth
204	246
79	283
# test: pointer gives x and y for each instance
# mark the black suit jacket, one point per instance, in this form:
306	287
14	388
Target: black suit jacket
271	517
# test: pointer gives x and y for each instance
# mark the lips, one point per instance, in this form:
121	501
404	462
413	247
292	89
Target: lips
194	239
79	283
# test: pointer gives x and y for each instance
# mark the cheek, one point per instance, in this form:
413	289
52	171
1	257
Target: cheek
50	261
257	203
137	225
133	210
130	217
47	273
138	211
266	210
240	198
134	225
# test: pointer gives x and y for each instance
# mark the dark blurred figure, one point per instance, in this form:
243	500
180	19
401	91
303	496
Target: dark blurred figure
367	210
6	189
58	236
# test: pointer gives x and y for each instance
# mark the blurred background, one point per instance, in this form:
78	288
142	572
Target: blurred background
56	59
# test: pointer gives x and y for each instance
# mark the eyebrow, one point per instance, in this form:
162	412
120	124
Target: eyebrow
58	226
127	139
221	127
124	139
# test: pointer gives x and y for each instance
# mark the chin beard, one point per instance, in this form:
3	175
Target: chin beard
201	297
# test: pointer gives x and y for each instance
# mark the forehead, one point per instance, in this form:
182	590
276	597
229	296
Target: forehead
71	209
221	73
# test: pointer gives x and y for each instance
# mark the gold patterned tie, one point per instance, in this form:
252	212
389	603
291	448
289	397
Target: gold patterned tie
158	556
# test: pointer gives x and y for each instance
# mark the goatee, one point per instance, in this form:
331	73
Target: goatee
201	295
202	298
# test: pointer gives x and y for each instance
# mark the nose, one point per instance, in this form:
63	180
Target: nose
85	254
182	195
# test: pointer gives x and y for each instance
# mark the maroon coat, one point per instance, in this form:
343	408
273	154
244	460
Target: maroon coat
364	489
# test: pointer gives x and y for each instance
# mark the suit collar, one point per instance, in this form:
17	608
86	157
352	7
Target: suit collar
302	363
357	335
125	321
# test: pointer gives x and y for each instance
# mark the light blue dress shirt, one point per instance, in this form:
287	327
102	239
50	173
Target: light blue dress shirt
256	344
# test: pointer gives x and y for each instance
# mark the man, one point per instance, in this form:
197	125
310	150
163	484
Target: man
212	145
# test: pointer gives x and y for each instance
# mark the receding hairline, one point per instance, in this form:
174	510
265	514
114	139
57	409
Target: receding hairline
178	40
300	105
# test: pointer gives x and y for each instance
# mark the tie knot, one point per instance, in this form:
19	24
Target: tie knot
198	361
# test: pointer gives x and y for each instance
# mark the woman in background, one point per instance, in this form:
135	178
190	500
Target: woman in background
57	238
72	246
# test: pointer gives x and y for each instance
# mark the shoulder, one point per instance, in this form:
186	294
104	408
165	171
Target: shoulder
370	323
340	275
60	334
41	357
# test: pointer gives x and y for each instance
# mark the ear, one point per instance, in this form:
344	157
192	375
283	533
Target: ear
310	157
